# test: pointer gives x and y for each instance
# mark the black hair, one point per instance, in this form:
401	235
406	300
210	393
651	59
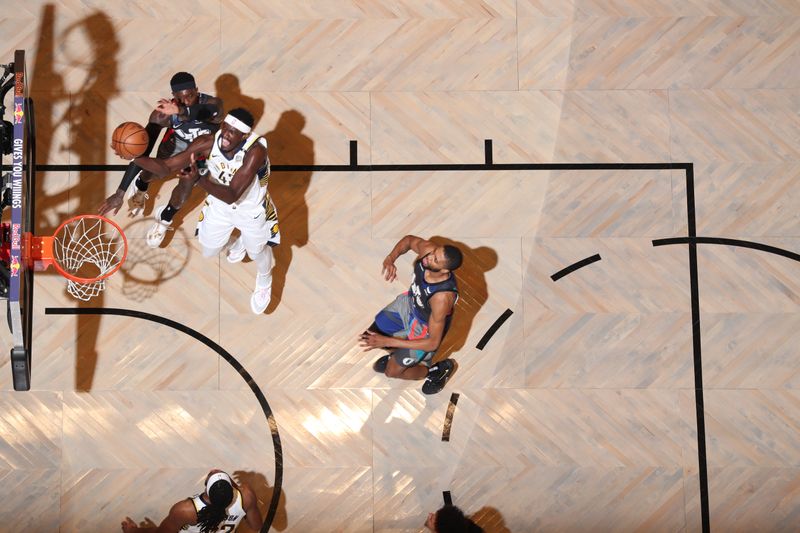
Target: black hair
454	257
451	519
181	81
220	495
244	115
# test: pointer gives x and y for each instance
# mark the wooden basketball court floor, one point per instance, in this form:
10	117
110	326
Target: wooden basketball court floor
579	413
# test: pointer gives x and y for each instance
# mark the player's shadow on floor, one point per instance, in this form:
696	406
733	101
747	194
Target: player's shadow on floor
258	482
472	290
289	146
227	87
490	520
81	130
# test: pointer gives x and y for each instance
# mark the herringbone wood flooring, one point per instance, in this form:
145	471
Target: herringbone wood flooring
579	413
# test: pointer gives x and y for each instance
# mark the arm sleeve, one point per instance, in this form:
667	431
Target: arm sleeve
130	173
152	130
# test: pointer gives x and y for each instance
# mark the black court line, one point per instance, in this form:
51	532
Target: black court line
493	328
729	242
488	157
692	240
575	266
273	426
406	167
698	362
448	418
353	153
448	499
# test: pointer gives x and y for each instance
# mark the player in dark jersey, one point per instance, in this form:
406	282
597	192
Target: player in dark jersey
186	116
413	326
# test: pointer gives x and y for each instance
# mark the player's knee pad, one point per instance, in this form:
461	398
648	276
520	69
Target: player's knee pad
406	358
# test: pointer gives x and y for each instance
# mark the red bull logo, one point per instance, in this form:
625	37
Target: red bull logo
14	266
18	113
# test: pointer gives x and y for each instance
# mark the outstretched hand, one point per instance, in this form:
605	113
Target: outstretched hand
112	202
128	525
389	270
168	106
191	172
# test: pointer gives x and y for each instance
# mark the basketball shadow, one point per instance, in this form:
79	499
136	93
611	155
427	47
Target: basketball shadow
472	291
289	146
264	491
95	69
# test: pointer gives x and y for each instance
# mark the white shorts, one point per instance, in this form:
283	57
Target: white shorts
218	220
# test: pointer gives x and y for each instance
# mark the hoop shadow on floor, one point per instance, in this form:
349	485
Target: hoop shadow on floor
146	268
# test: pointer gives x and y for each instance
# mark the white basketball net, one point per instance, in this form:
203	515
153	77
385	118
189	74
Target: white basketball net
88	241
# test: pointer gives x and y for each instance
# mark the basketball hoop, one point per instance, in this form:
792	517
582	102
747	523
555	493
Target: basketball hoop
85	249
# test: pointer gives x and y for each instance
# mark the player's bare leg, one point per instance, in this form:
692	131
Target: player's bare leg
164	214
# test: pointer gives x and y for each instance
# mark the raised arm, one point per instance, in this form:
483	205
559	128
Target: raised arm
409	242
164	167
155	123
210	111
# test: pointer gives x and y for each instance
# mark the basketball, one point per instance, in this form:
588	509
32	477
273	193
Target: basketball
129	140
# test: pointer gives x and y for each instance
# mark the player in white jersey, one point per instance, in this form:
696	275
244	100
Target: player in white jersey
220	508
235	177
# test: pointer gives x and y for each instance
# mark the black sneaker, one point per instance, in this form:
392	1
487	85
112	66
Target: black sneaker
380	365
438	376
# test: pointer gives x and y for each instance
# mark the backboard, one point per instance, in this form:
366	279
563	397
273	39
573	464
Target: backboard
20	181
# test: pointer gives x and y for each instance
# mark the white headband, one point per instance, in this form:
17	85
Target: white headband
213	478
238	124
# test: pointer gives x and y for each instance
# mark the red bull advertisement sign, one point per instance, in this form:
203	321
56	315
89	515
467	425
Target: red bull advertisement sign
19	114
17	161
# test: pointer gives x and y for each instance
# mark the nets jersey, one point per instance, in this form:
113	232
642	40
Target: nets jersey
421	291
189	130
223	169
235	515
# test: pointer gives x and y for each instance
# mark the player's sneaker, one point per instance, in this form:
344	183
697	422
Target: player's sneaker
236	251
381	364
262	295
438	376
136	202
155	236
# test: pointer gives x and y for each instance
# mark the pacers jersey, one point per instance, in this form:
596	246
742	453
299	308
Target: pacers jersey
421	291
189	130
235	513
223	169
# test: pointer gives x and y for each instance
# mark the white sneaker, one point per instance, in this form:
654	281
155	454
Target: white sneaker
262	295
236	251
155	236
136	202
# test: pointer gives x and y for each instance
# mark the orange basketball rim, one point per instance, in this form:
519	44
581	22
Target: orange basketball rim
85	249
